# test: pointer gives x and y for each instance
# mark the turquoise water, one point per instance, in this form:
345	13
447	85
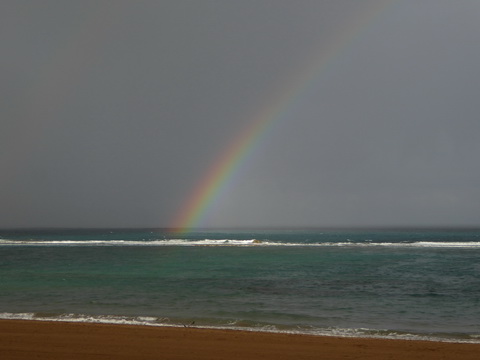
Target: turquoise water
401	284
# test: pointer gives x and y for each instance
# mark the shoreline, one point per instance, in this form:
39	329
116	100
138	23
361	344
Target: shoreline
26	339
361	333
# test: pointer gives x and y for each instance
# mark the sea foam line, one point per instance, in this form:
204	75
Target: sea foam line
238	243
165	322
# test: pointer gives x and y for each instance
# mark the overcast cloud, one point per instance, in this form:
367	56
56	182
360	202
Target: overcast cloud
112	111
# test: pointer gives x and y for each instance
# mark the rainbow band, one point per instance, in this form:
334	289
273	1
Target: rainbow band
221	172
227	165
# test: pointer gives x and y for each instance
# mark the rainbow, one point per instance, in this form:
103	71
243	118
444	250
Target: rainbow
223	170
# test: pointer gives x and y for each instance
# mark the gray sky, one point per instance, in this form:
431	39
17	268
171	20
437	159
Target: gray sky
112	111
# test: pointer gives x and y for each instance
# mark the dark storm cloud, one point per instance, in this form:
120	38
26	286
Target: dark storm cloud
112	112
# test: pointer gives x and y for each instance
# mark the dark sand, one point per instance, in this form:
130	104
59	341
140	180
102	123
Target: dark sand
62	340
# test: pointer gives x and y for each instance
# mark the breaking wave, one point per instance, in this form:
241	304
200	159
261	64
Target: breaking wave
241	325
238	243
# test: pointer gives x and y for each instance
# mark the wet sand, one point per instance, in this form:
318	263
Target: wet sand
61	340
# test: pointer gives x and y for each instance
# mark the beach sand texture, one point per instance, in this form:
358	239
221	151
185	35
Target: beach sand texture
61	340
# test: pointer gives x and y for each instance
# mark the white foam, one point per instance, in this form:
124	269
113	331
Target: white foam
238	243
164	322
447	244
170	242
79	318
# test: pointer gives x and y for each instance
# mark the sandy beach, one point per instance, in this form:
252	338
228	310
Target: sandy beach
62	340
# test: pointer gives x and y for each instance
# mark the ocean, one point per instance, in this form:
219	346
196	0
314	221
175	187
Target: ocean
407	284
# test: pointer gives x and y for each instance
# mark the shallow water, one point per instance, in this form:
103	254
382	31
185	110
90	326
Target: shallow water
413	284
